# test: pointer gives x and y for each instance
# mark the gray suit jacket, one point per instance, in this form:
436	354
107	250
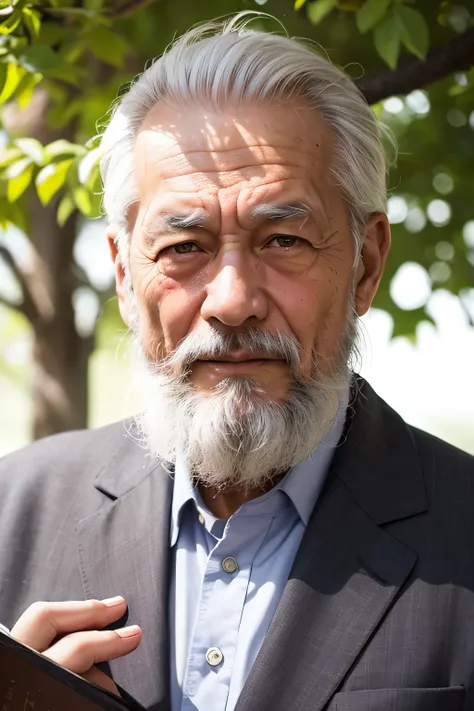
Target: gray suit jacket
378	611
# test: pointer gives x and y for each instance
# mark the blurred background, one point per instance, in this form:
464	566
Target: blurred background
63	349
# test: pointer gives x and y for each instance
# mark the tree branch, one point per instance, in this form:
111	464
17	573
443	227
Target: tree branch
412	73
127	8
28	307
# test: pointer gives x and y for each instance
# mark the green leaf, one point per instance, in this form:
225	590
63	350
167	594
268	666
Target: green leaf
31	148
61	147
387	39
13	77
7	10
13	18
457	89
299	4
88	164
26	88
51	179
6	28
94	184
16	186
318	10
9	155
32	20
13	214
413	30
107	46
406	322
50	33
444	13
73	51
17	167
371	13
59	116
83	200
69	74
65	209
40	58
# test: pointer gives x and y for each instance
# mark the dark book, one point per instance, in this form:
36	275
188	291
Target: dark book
31	682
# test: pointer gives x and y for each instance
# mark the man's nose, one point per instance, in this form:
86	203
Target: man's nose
234	295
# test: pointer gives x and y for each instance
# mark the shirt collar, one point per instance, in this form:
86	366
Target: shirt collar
302	485
183	491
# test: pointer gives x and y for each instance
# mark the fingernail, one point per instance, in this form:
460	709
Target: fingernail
128	631
112	601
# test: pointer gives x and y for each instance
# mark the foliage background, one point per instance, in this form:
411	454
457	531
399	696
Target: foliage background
61	63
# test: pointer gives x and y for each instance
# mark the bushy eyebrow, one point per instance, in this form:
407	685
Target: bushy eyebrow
198	218
176	223
286	211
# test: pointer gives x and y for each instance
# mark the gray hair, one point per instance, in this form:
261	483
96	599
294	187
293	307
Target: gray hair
226	63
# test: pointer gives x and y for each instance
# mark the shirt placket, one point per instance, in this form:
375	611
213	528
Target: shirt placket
224	589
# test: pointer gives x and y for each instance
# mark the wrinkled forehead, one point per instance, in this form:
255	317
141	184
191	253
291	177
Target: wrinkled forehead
178	142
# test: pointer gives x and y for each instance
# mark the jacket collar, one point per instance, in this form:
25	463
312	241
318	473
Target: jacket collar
124	461
346	574
348	570
376	459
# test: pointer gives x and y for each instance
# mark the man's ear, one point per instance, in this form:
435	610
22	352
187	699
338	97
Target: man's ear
122	292
372	260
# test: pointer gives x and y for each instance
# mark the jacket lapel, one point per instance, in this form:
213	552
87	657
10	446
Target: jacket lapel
124	550
347	571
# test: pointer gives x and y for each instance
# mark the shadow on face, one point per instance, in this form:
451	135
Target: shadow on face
238	226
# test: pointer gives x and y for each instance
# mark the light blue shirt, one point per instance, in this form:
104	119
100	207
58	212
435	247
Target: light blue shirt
231	611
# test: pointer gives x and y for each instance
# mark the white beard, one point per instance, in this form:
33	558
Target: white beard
234	436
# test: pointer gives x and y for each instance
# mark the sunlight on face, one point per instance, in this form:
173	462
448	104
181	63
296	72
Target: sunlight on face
238	226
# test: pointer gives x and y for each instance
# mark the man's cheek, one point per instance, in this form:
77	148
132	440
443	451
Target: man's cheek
178	313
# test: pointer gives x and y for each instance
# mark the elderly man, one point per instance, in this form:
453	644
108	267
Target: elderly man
281	539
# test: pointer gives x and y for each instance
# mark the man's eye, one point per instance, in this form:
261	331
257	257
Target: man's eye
284	241
185	247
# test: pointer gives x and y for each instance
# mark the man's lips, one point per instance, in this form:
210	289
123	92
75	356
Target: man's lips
208	372
236	365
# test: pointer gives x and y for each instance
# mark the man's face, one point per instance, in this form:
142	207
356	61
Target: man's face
238	226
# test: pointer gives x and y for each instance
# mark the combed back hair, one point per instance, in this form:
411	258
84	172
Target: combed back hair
220	65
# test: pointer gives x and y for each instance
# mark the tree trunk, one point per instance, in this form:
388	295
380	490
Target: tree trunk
60	354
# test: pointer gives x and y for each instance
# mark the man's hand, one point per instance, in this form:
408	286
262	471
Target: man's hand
70	634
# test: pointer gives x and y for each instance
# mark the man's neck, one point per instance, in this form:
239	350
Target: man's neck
222	503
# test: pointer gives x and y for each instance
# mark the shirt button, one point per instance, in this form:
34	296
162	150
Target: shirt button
214	656
229	565
201	518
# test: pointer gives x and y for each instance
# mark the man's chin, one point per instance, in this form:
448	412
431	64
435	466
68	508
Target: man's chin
244	389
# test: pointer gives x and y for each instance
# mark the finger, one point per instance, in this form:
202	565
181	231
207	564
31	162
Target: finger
42	622
79	651
98	677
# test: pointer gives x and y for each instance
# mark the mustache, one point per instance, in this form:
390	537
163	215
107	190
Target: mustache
214	344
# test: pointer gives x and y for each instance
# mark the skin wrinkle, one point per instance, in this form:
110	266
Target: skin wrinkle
193	154
160	231
220	151
243	277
